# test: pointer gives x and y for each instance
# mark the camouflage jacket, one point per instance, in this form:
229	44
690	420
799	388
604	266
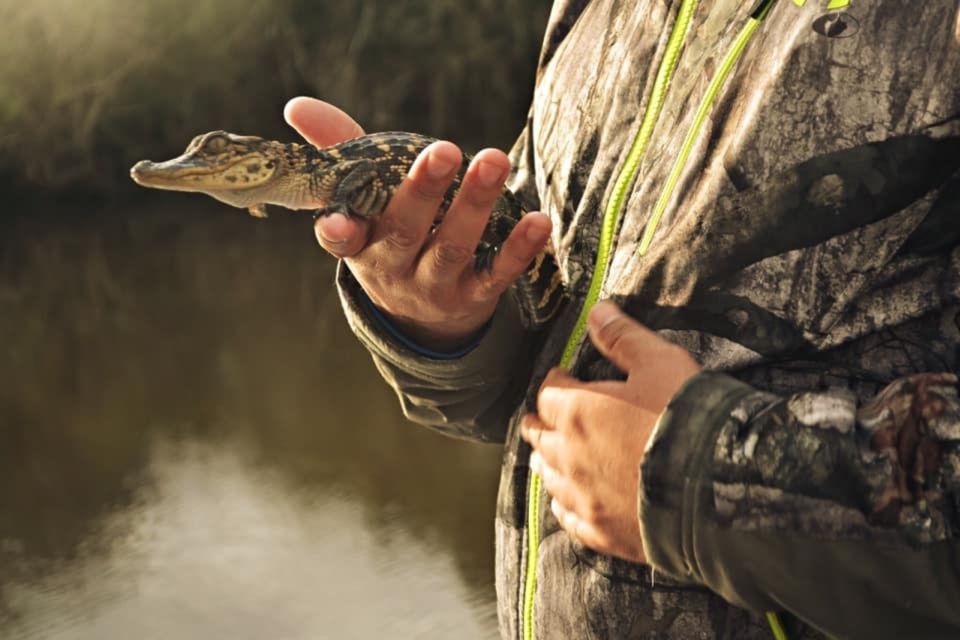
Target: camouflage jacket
809	258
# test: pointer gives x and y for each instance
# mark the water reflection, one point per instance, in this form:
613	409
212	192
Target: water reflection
192	445
213	543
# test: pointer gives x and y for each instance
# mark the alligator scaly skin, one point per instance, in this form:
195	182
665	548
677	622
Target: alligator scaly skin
357	178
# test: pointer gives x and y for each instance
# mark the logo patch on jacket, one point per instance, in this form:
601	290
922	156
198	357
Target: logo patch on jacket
836	24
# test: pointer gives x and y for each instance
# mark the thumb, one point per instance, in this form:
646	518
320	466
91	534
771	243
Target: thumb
341	236
620	338
321	123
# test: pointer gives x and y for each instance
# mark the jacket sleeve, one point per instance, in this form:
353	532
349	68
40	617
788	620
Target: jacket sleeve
847	516
472	394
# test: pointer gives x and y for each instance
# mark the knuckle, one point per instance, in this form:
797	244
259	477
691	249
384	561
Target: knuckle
479	197
451	255
614	333
401	235
428	191
574	423
491	286
577	474
595	511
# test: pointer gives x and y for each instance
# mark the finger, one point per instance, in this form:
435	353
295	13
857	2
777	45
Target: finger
623	340
560	512
400	234
555	483
544	440
341	236
566	516
580	530
525	242
319	122
556	395
559	377
454	244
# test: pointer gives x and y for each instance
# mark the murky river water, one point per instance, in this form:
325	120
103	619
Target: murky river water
192	445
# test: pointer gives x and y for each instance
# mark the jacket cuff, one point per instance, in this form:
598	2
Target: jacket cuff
397	334
676	463
502	339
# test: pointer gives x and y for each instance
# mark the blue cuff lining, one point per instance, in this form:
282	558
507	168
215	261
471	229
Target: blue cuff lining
410	344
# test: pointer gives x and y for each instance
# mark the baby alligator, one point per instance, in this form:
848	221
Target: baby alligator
356	178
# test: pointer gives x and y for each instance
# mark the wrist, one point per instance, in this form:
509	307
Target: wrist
439	337
413	337
446	335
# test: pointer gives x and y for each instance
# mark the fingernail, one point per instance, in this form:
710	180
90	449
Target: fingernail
536	463
490	175
331	242
558	511
440	166
603	314
324	236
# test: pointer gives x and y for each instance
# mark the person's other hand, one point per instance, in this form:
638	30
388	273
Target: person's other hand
425	281
588	438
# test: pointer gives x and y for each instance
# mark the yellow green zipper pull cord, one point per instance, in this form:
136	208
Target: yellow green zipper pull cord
832	5
776	626
628	173
719	78
716	83
610	222
611	218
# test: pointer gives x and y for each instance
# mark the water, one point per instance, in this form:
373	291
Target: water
192	444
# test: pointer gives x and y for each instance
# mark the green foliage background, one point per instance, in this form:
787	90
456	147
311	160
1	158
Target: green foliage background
86	88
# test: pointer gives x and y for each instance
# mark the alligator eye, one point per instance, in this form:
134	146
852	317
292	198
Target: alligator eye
215	144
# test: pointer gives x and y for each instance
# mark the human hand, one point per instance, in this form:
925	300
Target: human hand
588	438
425	281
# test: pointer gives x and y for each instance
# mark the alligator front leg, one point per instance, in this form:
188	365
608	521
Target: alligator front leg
359	191
258	210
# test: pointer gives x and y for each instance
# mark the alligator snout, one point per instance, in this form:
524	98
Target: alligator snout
140	170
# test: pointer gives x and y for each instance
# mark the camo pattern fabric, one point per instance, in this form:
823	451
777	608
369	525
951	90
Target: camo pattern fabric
774	458
809	258
811	250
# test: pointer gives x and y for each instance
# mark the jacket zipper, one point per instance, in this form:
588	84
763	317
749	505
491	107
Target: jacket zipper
611	219
716	83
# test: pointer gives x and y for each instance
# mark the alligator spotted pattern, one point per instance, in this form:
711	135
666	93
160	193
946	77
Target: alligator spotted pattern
356	178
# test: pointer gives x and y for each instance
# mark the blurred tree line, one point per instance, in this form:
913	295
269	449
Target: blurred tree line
86	88
126	322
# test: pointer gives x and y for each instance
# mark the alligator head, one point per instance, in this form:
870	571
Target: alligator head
242	171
